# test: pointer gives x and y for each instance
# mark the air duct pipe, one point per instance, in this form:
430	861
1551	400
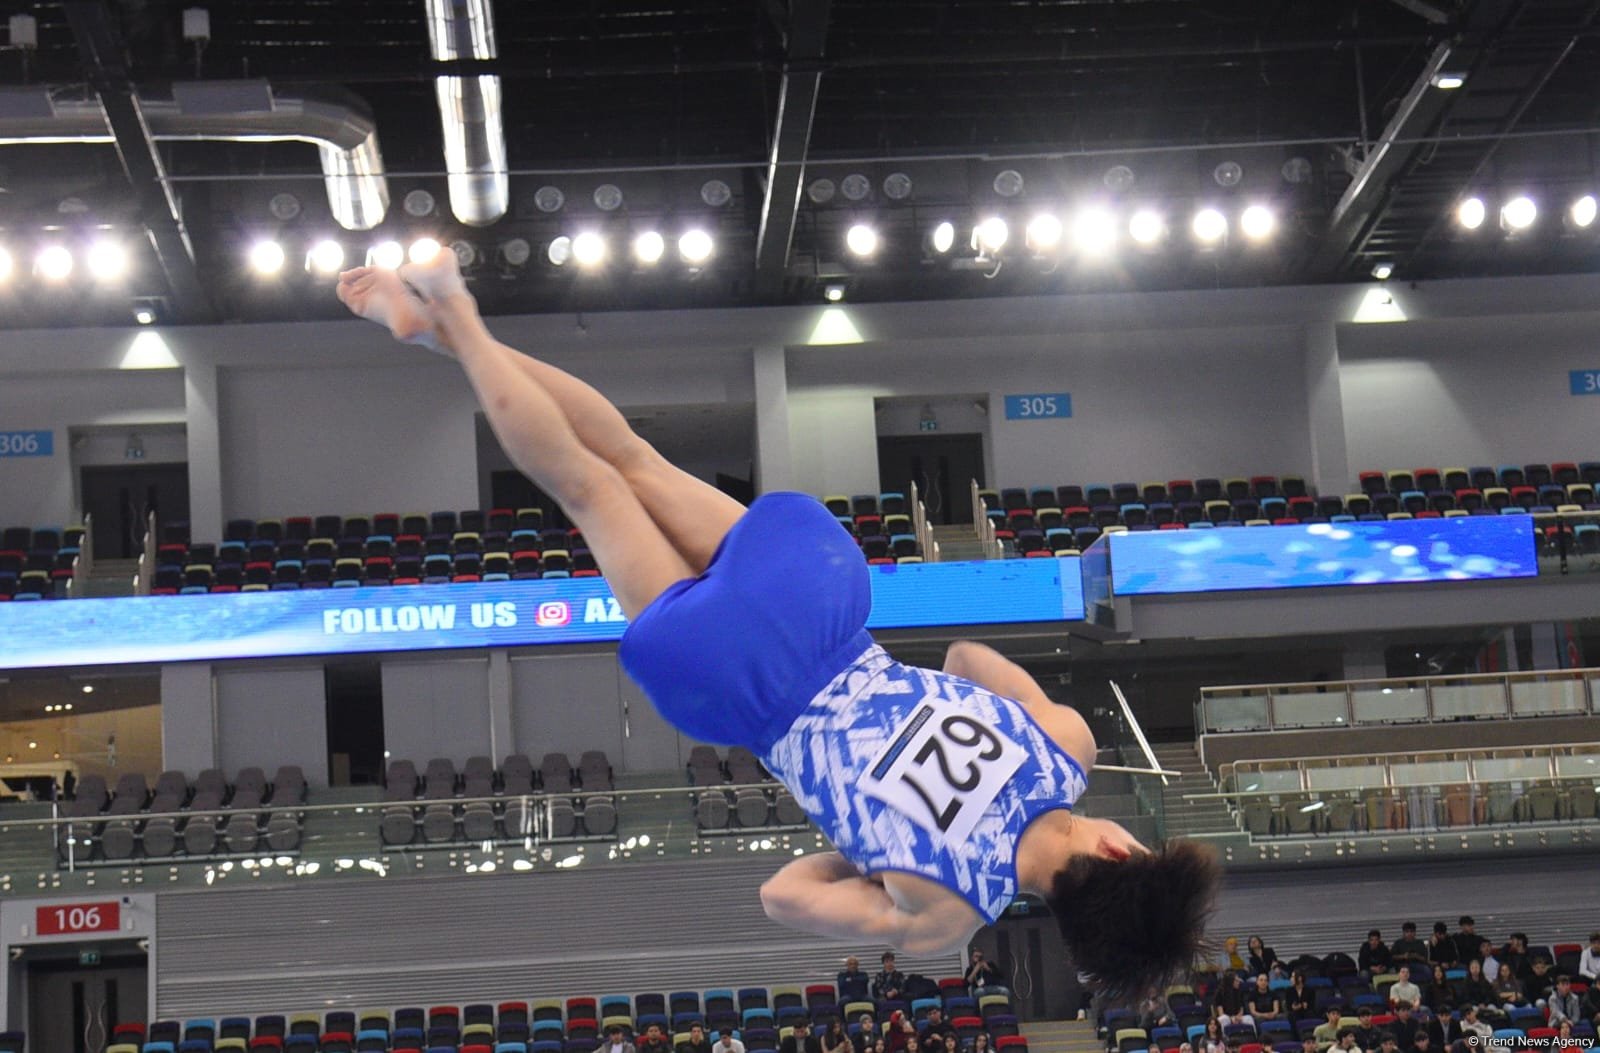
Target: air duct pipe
337	124
469	110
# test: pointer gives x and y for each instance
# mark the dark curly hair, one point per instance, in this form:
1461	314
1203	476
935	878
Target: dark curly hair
1130	925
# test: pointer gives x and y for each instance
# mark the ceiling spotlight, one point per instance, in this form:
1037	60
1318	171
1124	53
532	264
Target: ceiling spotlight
821	191
386	254
1008	183
466	253
325	257
266	257
833	292
144	316
549	199
1518	214
1043	233
1228	173
896	186
1470	213
1449	81
588	249
989	237
716	193
1296	170
943	238
1257	222
419	203
1382	271
1581	214
861	240
516	251
284	206
608	197
1094	231
1118	177
54	263
1146	227
422	250
1209	225
695	246
107	261
649	247
855	187
560	251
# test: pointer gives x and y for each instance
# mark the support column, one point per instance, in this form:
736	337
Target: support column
204	431
500	728
774	452
188	717
1330	454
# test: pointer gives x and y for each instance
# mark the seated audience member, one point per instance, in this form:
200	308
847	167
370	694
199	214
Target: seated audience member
1591	1005
1404	992
1476	988
1467	940
1441	996
1508	990
1564	1003
1327	1033
1540	982
800	1040
980	1043
1405	1027
868	1033
1515	954
1155	1012
950	1044
1263	1002
654	1041
1299	1001
727	1043
1367	1036
934	1029
1213	1040
1230	959
1346	1042
834	1039
878	1046
902	1032
1308	1046
1263	959
697	1042
1229	1002
1374	957
1388	1043
1423	1042
1589	961
1441	948
1491	964
1471	1030
1408	950
889	983
854	985
616	1043
981	973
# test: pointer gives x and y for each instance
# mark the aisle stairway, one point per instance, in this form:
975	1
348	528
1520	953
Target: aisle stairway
1208	819
959	542
111	577
1061	1036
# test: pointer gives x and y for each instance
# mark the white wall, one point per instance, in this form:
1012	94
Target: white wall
568	703
267	717
436	708
834	437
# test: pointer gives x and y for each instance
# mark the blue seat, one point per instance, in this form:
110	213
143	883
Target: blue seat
1274	1027
960	1005
194	1045
510	1047
1508	1035
552	1030
757	1017
616	1005
547	1046
753	998
1158	1034
1195	1031
920	1007
684	1021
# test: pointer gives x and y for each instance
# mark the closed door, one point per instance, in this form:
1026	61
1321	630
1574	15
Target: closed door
120	500
72	1008
942	466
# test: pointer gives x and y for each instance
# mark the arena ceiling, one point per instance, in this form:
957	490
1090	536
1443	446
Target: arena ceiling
1337	116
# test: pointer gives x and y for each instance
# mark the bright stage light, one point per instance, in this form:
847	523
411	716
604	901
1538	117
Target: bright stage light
54	263
107	261
422	250
588	249
1146	226
1257	222
266	257
695	246
325	257
1382	271
649	247
943	238
8	266
989	237
861	240
386	254
1582	212
1470	213
1518	214
1094	231
560	251
1043	233
1210	226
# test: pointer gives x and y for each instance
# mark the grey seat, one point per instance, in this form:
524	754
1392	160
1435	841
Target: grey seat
594	771
787	810
555	773
283	831
289	786
117	836
397	825
477	818
563	818
241	832
200	831
743	766
516	779
160	836
88	801
251	779
750	804
711	810
439	784
600	816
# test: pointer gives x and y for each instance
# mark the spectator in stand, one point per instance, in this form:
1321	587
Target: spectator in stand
616	1042
1229	1003
801	1040
1423	1043
1367	1036
1230	959
888	984
727	1043
1471	1030
950	1044
1406	1027
1541	983
1155	1012
1441	948
854	985
1213	1040
1591	1005
1563	1003
1346	1042
834	1039
1476	988
1327	1033
980	1043
1508	990
1589	961
878	1046
868	1033
1299	1001
1441	995
1387	1042
1263	959
981	973
1491	964
1308	1046
902	1032
697	1042
934	1028
1404	992
1374	958
1408	950
1467	940
1515	954
654	1041
1263	1002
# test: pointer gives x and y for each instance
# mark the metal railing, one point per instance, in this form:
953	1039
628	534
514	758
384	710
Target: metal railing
992	548
921	527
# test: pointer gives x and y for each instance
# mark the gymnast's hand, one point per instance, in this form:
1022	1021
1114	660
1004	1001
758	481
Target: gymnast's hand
379	295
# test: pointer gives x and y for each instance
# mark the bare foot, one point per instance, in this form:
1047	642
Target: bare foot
435	278
379	295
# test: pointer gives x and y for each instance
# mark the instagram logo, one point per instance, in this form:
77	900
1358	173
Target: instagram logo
553	613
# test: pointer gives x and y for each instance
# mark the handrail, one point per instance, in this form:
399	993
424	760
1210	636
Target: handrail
144	579
83	564
1580	749
1221	795
919	526
1389	761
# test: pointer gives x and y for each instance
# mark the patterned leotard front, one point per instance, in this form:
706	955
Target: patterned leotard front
887	753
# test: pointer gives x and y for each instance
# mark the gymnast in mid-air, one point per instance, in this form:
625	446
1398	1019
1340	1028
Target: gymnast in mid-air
947	793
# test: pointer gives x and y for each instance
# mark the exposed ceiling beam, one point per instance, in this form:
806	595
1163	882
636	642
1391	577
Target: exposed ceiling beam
1426	9
791	138
94	30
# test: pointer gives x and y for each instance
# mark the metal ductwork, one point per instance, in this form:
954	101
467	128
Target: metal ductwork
469	110
337	123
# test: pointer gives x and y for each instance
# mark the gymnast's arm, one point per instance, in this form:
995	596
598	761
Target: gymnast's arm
826	895
993	672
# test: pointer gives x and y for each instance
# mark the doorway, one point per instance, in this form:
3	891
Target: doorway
72	1007
355	723
120	497
942	466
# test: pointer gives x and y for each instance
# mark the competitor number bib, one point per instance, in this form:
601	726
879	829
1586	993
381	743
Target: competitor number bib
943	767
